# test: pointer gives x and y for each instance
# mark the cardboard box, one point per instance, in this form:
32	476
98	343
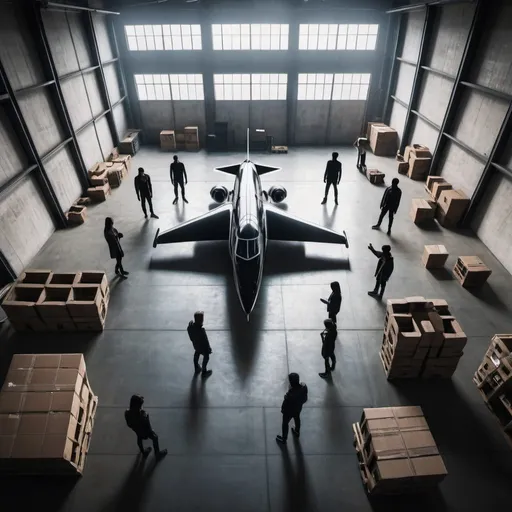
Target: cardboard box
471	271
98	169
76	215
35	277
418	167
130	144
98	180
438	187
20	302
369	128
452	206
94	277
430	182
420	211
434	256
167	140
86	301
404	334
115	174
126	160
375	176
383	140
403	167
99	194
53	300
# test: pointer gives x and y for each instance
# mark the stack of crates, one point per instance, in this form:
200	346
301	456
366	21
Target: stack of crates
418	342
396	451
47	413
42	300
494	380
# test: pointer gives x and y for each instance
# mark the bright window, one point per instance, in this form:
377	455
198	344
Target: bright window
250	37
338	86
250	87
163	37
338	37
166	87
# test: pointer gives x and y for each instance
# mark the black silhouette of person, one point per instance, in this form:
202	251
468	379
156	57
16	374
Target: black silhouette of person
144	192
112	237
332	176
389	204
334	301
293	401
328	335
199	339
178	177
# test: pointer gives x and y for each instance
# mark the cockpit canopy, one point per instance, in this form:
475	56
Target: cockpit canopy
247	249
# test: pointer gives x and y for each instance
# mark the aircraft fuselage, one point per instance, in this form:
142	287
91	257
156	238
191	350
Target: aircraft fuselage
247	235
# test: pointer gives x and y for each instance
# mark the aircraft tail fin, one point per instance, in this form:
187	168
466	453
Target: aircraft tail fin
248	134
265	169
229	169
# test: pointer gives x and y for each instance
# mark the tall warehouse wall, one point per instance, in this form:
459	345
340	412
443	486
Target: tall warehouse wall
27	216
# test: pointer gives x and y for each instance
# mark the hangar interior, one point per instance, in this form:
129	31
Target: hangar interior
76	76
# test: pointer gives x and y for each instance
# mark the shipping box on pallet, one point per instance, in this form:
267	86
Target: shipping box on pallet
396	451
68	301
493	379
167	140
421	339
47	413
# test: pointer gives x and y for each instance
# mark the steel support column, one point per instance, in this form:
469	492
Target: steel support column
472	42
495	157
426	36
93	42
35	22
207	55
292	86
394	46
121	74
18	123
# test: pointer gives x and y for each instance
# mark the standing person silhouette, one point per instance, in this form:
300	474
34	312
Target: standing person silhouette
332	176
334	301
138	420
144	191
389	204
112	237
295	398
328	336
200	342
178	177
385	267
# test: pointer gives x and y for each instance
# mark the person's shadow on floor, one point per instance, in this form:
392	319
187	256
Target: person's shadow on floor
297	490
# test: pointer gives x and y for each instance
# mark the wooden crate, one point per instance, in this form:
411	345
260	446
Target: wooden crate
471	271
279	149
420	211
375	177
434	256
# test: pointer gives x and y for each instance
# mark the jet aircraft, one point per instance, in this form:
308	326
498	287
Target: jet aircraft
247	219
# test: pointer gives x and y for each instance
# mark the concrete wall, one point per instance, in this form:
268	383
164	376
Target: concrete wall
236	114
405	78
397	121
271	116
311	122
434	96
25	219
412	36
12	157
121	119
460	168
423	133
26	224
345	121
493	65
493	221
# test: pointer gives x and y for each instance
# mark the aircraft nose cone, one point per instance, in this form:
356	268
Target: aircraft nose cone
247	273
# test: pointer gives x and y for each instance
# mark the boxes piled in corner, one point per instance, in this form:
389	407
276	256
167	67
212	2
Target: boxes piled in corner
47	413
416	162
45	301
397	452
191	138
452	205
383	139
167	140
421	211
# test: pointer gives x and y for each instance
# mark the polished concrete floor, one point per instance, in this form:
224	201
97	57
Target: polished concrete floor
220	431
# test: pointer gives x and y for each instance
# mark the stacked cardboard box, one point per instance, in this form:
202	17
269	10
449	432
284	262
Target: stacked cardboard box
76	214
494	380
416	162
167	140
421	211
47	412
435	185
420	342
369	128
375	176
396	451
130	144
125	160
434	256
45	301
451	207
180	140
191	138
471	271
383	140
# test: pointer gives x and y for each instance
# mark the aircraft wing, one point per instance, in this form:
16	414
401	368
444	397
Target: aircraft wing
213	225
283	226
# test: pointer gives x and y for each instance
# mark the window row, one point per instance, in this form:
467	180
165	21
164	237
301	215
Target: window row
253	36
256	86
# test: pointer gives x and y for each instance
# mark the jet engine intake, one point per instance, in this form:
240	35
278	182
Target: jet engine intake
219	194
277	193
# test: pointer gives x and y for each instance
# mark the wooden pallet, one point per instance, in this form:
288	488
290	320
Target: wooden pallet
279	149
